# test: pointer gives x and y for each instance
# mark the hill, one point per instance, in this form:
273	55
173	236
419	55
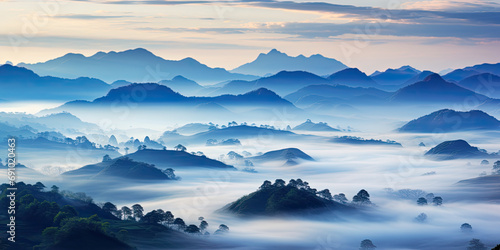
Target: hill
447	120
275	61
308	125
457	149
289	155
176	159
280	199
125	167
434	89
360	141
133	65
29	86
352	77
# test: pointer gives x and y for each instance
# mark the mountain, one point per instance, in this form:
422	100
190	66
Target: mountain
434	89
160	95
283	83
395	76
275	61
182	85
485	83
457	149
29	86
176	159
447	120
289	155
492	68
341	92
295	198
193	128
135	65
308	125
352	77
459	74
417	78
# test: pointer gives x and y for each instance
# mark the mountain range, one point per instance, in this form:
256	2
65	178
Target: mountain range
275	61
135	65
395	76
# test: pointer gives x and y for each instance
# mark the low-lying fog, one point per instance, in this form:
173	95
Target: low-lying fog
342	169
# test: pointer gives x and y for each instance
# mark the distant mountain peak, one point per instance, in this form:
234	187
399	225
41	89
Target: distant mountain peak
434	78
275	61
262	92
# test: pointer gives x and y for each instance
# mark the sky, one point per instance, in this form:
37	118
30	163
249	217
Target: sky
370	35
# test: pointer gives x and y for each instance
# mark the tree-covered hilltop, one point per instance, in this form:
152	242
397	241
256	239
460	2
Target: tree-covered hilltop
293	198
55	219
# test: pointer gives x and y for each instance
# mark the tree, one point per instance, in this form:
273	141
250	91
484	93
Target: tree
54	189
138	211
466	228
497	247
180	223
422	201
153	217
222	229
109	207
437	201
496	167
106	158
126	212
39	186
266	184
325	194
279	183
203	225
168	217
192	229
126	150
340	198
421	218
180	147
169	172
362	197
366	244
476	244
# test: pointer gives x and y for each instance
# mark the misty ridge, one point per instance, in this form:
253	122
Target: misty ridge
281	152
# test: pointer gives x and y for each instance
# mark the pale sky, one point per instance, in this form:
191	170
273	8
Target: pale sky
371	35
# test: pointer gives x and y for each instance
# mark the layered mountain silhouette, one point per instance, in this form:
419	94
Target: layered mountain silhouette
485	83
155	94
275	61
434	89
284	82
459	74
183	85
395	76
447	120
29	86
341	93
135	65
233	132
457	149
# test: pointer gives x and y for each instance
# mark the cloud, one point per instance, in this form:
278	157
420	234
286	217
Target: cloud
89	17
